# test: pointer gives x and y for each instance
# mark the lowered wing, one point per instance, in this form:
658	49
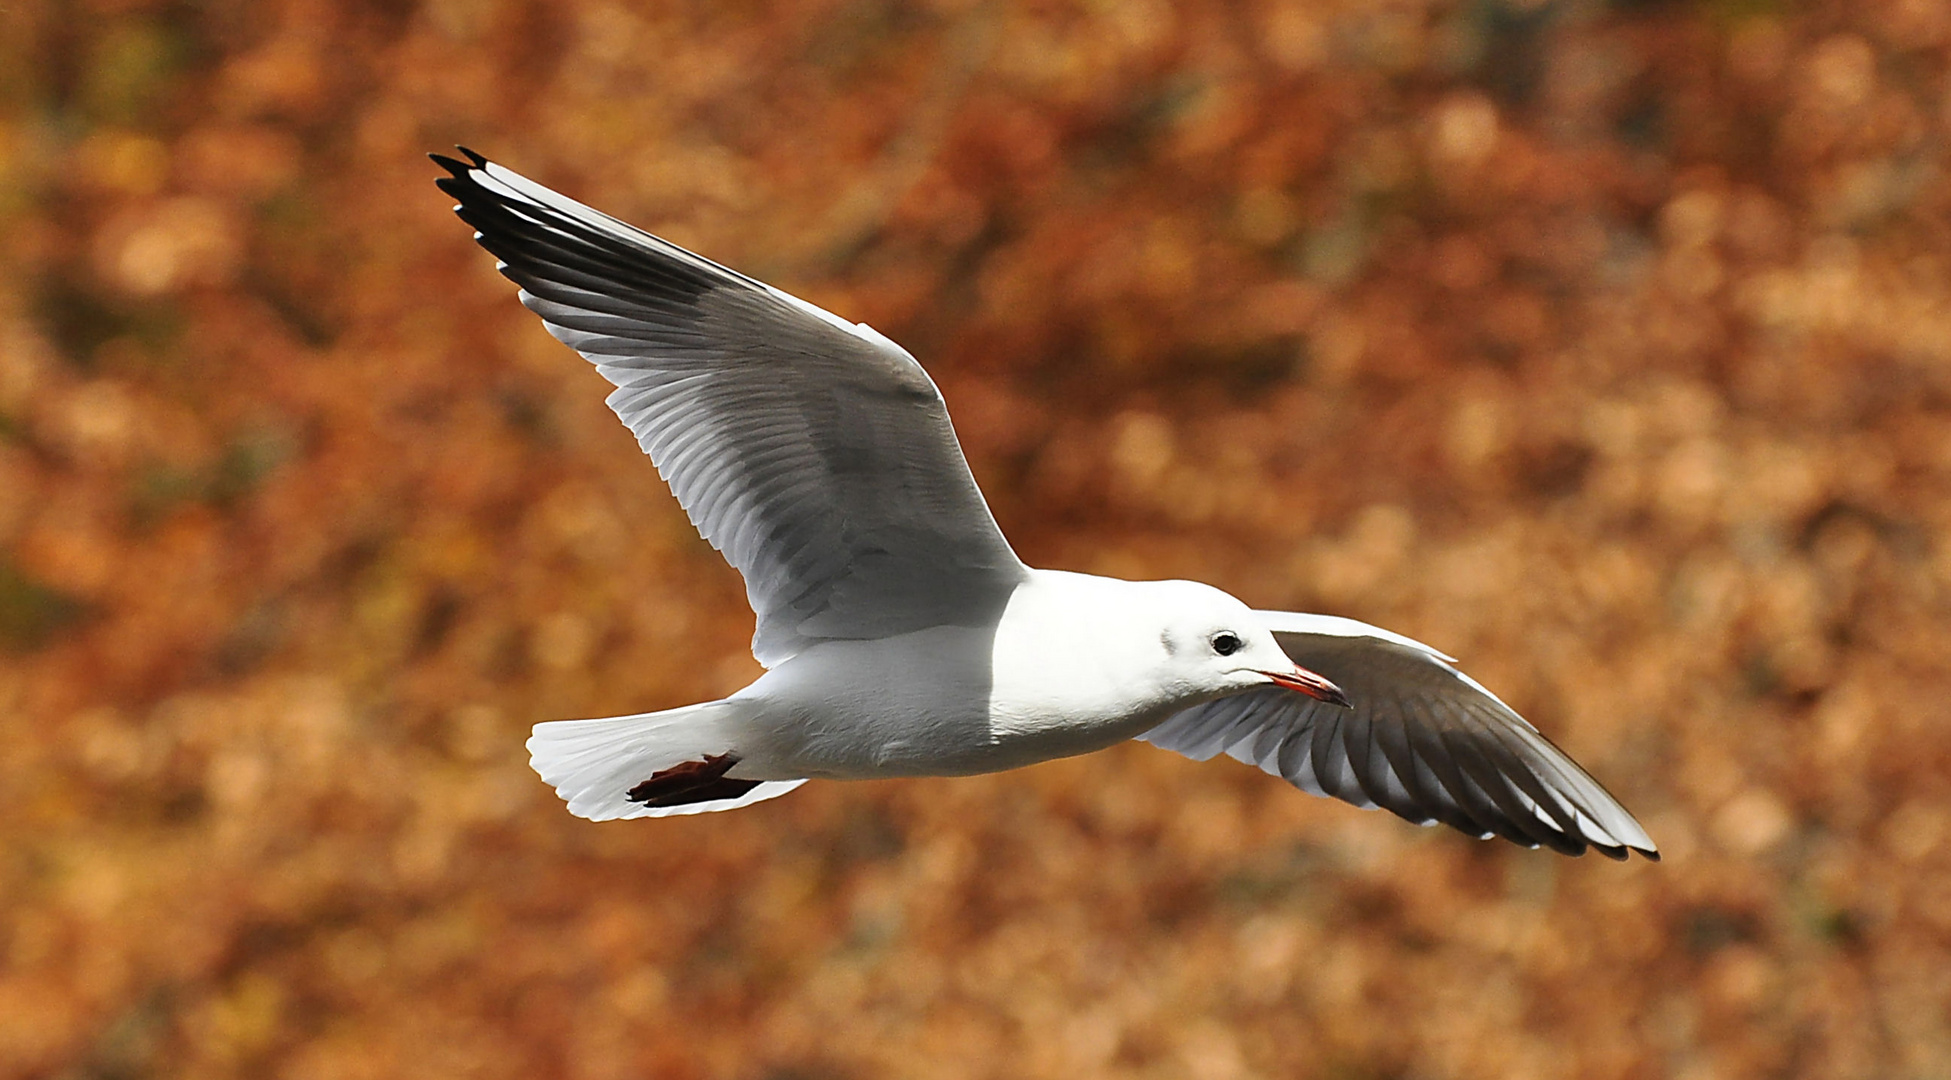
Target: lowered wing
1422	740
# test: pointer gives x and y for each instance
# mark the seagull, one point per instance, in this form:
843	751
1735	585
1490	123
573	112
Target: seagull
900	633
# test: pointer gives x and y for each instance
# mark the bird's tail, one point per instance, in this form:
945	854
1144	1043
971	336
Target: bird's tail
648	765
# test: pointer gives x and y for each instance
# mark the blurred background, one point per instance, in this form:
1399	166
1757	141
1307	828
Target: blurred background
1604	345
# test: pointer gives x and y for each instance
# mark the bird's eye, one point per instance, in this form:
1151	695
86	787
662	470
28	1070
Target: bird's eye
1226	643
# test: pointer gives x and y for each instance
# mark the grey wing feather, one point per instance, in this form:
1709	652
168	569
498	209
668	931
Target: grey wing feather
815	454
1423	740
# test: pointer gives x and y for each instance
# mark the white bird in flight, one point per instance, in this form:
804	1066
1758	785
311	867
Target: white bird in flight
901	634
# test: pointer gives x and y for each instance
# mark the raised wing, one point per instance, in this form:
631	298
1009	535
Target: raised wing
1423	740
815	454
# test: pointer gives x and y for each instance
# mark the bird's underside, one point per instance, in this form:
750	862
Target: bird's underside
818	457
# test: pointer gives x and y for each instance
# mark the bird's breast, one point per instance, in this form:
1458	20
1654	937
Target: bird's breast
1070	675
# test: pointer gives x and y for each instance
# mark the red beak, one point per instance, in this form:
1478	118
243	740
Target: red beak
1314	686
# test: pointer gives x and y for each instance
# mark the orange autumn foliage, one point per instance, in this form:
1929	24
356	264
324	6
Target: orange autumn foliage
1604	345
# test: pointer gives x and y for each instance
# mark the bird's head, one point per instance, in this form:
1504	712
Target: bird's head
1215	645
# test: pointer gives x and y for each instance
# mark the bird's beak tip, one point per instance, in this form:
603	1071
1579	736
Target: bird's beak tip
1313	685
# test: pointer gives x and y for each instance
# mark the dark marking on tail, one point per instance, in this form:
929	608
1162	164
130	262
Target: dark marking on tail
692	782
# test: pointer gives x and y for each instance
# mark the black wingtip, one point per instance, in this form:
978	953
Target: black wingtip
1625	852
460	168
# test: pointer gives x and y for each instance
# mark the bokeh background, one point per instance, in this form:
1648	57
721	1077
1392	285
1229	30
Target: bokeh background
1604	345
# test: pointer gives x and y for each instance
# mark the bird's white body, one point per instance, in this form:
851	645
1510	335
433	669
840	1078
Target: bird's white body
1076	663
849	710
901	634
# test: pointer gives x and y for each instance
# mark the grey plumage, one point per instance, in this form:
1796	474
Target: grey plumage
817	456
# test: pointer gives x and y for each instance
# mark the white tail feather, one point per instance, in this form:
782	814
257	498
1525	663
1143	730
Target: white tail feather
593	764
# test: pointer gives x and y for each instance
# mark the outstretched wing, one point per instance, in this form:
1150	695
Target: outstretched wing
815	454
1423	740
